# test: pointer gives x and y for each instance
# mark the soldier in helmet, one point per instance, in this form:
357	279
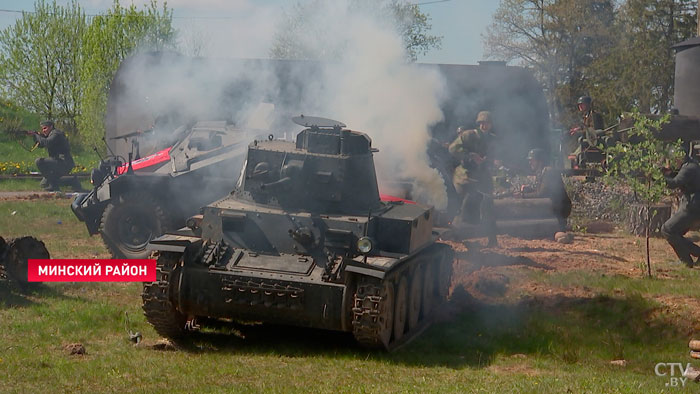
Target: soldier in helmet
472	178
590	118
548	184
59	162
688	214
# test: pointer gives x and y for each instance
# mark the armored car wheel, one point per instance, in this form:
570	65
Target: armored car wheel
160	297
129	222
18	253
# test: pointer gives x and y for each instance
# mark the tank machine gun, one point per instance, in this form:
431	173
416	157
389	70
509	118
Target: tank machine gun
304	240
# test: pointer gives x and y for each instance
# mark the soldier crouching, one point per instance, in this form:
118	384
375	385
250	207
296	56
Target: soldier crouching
60	162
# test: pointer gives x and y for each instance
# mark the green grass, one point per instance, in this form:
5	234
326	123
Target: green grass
536	344
32	184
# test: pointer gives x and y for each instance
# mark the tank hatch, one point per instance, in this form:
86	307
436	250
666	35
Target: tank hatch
328	169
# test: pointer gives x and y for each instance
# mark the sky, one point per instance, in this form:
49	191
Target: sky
245	28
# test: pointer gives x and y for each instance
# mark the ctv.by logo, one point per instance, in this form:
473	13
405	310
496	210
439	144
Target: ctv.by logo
676	372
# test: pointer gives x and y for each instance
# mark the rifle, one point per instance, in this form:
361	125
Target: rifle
17	135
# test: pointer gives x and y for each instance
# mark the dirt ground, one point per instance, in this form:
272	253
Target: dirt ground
498	275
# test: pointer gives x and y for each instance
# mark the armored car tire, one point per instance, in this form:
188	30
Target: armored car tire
129	222
18	253
160	297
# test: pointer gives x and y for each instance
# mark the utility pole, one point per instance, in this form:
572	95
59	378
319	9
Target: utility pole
698	15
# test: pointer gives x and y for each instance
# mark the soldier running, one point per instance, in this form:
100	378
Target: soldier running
472	177
688	214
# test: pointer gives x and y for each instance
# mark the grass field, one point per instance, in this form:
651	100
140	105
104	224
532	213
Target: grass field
532	344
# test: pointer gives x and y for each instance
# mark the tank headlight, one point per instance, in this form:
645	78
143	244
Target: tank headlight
365	245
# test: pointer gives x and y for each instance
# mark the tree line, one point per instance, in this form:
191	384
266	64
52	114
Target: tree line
58	62
617	51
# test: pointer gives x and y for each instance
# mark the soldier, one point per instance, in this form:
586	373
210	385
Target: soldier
591	118
472	177
548	184
688	214
59	162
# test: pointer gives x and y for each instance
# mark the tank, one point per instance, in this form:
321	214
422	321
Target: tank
137	199
304	240
14	256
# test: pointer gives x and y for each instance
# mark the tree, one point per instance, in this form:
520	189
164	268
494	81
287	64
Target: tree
637	70
637	164
108	40
302	34
559	39
40	61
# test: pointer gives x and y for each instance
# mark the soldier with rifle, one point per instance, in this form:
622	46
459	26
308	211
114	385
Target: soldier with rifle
60	162
548	184
472	179
687	217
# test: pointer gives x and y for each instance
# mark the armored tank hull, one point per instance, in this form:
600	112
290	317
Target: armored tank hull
304	240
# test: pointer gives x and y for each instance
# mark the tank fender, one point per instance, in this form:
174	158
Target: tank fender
371	266
172	243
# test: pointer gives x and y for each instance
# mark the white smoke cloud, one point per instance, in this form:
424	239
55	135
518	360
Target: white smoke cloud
373	89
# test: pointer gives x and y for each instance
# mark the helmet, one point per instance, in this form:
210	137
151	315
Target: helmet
484	116
584	100
537	154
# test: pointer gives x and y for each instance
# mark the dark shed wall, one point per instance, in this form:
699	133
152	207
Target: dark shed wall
686	96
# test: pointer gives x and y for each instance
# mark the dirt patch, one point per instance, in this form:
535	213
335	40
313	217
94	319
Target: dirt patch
498	275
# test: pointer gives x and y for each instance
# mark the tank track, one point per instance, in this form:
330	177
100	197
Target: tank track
374	301
158	305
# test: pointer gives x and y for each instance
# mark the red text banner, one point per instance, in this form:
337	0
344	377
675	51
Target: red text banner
91	270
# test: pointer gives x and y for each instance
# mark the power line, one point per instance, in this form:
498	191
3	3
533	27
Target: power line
432	2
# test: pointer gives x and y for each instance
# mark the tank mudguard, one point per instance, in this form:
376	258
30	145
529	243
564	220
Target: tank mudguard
172	243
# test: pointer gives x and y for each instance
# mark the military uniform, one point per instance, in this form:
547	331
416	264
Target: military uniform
59	162
688	214
548	184
473	180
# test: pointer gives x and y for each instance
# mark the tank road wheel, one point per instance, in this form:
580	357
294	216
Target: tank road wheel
415	297
401	308
130	222
373	314
444	272
159	297
19	251
428	290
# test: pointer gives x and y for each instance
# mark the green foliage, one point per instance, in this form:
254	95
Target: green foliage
14	117
559	39
637	68
637	163
616	51
109	39
40	58
301	33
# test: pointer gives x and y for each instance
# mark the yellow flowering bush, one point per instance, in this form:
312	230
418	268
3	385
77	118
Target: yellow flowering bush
25	167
